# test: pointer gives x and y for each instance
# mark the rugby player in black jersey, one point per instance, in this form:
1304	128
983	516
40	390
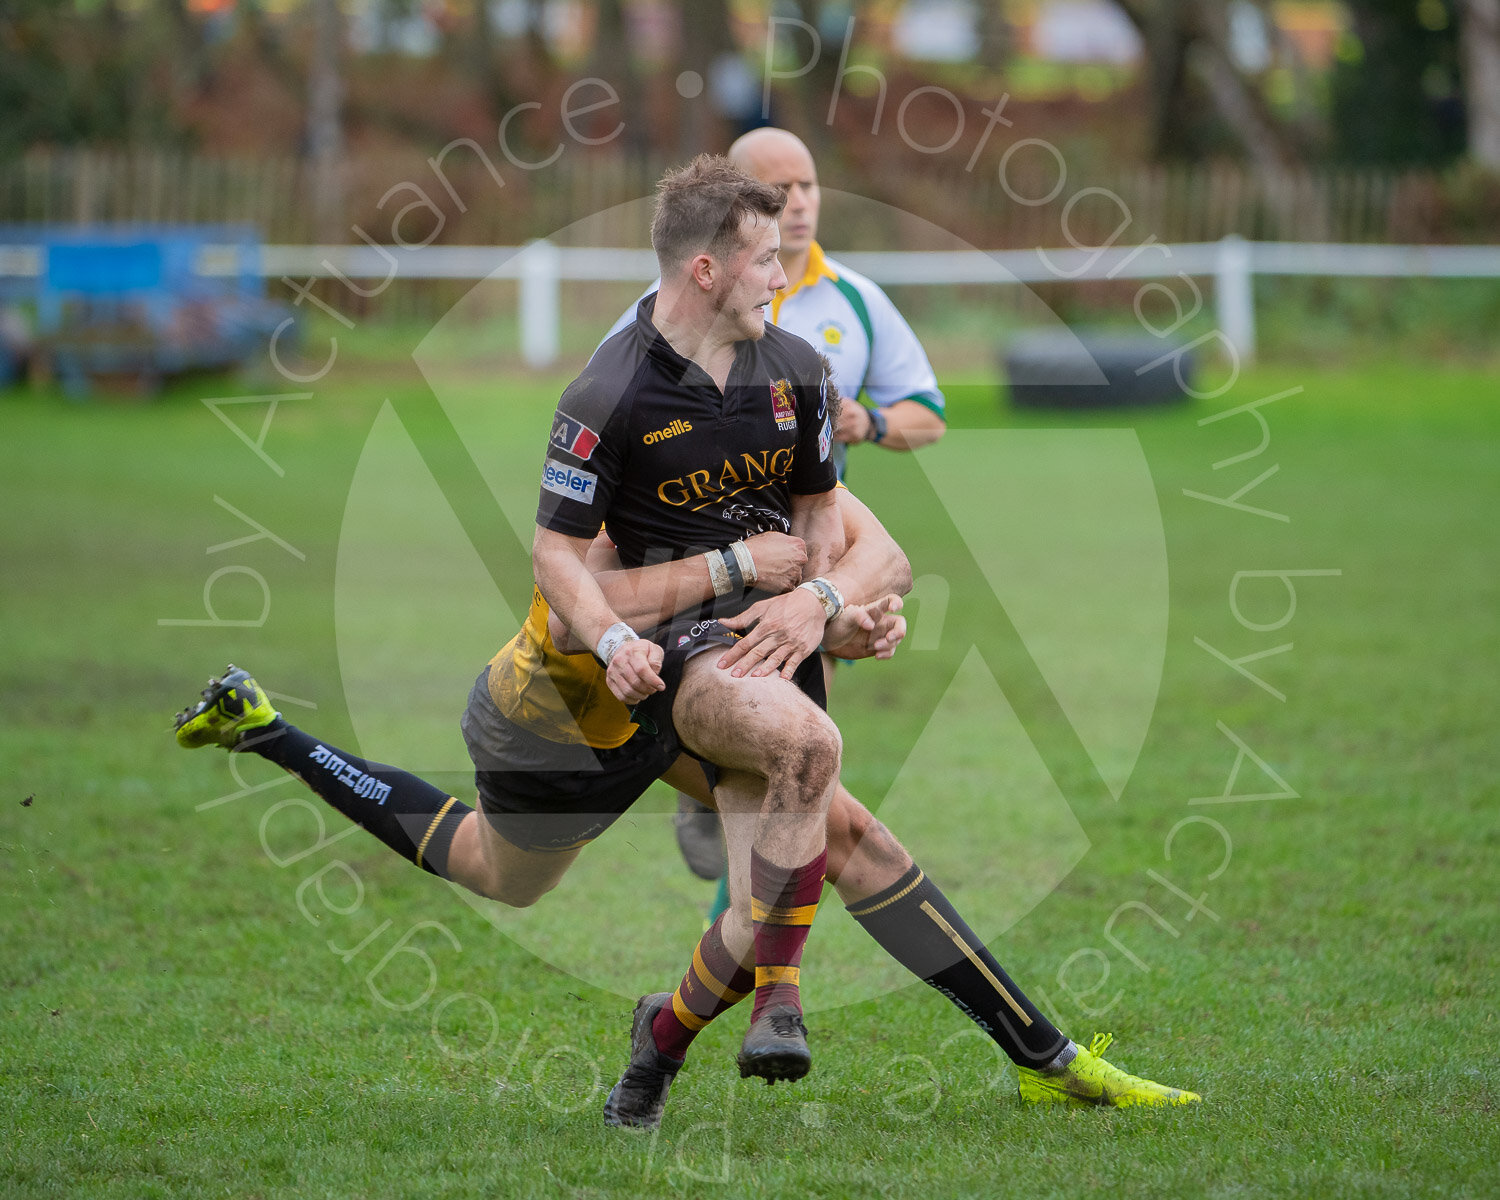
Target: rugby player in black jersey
537	814
685	432
559	759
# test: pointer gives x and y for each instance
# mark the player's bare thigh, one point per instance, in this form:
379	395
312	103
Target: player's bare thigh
765	725
485	863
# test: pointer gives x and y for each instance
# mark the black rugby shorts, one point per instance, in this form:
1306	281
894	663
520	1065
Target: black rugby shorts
538	809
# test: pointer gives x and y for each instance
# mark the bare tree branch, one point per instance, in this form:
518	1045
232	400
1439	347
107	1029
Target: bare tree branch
1480	46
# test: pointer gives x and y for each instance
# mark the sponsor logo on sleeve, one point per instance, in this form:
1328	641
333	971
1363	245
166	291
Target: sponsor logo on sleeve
563	480
573	437
783	405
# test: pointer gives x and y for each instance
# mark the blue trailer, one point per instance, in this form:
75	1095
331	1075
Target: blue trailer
139	302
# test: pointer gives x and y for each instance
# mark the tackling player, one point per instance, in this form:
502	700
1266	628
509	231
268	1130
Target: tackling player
558	759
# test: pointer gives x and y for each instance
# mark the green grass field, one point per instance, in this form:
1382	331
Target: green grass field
203	998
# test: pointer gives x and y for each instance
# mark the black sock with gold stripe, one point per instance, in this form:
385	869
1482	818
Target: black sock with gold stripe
914	923
409	815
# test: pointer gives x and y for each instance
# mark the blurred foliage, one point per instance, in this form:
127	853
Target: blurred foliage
1352	321
1396	97
79	76
233	77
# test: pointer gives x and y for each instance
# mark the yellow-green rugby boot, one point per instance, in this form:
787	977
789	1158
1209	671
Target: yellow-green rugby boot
231	707
1090	1081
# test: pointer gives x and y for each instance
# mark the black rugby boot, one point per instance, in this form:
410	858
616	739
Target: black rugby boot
775	1046
641	1095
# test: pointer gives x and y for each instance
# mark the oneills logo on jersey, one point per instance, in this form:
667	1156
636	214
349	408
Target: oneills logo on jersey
783	405
671	431
573	437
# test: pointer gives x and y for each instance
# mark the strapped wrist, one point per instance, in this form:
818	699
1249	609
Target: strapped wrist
614	637
719	573
746	561
827	595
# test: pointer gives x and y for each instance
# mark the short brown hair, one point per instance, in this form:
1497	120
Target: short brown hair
701	207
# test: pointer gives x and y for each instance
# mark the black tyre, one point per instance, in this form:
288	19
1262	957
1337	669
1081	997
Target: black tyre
1061	369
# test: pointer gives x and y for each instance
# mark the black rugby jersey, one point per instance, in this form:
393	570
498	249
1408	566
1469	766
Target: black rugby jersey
645	444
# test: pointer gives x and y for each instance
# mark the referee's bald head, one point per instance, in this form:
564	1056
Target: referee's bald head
750	151
780	158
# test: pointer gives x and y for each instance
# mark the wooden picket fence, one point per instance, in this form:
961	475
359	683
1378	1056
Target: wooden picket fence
499	204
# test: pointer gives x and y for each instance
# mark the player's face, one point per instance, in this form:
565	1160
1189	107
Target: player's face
754	276
787	164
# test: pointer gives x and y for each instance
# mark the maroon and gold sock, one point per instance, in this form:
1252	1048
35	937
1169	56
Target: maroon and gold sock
782	905
714	984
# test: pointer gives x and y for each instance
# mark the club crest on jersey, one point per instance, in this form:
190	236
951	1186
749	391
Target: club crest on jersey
783	405
573	437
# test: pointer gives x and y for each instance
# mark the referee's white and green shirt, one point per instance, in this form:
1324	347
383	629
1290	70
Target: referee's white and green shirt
847	317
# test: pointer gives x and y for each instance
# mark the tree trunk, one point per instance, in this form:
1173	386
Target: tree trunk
994	33
189	65
704	34
1191	37
614	62
1167	79
325	136
489	74
1480	43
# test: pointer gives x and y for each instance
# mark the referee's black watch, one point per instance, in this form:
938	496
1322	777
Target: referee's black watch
876	430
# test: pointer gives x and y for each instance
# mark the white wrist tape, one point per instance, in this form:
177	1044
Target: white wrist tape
718	573
747	562
828	596
614	637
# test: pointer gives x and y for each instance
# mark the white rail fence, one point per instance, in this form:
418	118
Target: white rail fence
540	267
1232	264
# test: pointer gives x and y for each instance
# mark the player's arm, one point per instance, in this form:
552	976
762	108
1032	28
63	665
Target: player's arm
869	578
904	425
873	566
788	628
586	458
559	564
650	595
907	407
872	563
816	520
